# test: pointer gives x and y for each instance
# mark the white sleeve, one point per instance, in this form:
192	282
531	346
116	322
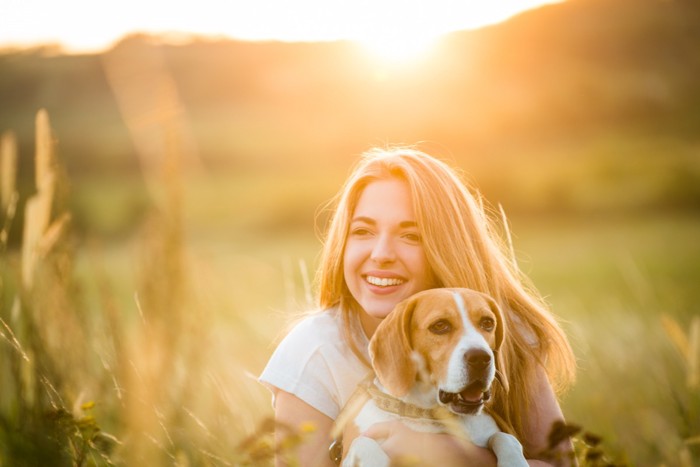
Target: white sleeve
300	367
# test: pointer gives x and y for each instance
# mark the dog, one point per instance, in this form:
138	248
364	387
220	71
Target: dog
435	358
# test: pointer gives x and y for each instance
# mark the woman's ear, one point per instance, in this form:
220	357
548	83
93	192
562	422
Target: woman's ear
501	375
390	350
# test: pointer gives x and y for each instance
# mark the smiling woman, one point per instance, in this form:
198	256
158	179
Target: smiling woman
404	222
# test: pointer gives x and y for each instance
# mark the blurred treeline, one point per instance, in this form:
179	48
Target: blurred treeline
587	106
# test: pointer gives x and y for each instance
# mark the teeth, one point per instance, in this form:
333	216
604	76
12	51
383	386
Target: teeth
384	281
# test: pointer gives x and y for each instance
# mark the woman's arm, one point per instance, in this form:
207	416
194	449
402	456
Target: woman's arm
399	441
545	411
411	447
290	411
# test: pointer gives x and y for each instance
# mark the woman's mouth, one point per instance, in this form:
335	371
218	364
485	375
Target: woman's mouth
384	281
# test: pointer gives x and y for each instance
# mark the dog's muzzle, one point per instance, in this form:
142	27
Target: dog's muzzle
472	397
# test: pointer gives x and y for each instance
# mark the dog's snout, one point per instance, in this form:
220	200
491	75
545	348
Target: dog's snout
477	359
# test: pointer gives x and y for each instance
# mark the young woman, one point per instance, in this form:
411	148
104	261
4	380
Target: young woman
404	222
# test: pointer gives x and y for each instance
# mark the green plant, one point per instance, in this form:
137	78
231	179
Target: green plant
45	335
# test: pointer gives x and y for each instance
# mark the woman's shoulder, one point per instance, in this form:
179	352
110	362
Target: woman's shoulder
327	319
320	325
315	332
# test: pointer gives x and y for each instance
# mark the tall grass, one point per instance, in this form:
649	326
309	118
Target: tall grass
625	289
85	382
167	377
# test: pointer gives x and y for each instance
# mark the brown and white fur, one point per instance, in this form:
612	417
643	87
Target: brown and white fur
438	348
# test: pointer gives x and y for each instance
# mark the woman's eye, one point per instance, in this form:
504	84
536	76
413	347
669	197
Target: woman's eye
360	232
441	326
487	324
412	237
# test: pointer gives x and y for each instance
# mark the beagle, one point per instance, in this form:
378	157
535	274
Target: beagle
435	357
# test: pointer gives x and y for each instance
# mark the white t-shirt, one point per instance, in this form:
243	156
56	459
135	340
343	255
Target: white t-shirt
315	363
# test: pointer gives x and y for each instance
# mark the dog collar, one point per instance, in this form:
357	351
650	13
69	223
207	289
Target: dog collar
403	409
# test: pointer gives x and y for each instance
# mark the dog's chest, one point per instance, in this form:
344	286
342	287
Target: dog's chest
370	414
477	428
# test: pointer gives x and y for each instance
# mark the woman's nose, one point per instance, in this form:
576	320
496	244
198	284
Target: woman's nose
383	250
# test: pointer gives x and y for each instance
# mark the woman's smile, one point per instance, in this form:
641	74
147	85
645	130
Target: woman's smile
384	281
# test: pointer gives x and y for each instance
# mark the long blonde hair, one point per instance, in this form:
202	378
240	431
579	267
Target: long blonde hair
464	249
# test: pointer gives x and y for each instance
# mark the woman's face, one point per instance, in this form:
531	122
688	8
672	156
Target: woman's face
384	260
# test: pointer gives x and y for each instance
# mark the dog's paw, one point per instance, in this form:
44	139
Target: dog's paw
508	450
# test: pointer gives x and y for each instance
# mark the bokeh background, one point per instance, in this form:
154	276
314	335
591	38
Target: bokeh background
189	179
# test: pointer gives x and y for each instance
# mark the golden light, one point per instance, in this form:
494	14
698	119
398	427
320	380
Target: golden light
394	30
398	48
397	31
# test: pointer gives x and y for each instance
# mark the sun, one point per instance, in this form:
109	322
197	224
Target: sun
398	47
400	31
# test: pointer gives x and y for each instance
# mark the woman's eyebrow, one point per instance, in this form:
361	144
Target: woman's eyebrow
370	221
364	220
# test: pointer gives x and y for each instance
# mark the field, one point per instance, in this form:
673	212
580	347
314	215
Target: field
617	284
160	233
145	348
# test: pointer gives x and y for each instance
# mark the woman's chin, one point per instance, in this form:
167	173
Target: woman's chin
379	312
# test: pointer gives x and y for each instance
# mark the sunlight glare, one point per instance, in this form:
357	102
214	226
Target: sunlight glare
393	30
393	47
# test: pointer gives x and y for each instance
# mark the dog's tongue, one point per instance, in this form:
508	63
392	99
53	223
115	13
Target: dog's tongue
472	394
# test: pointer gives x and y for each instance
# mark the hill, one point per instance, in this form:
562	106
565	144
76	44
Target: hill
599	91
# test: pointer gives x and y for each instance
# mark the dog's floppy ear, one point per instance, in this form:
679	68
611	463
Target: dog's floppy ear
500	335
390	349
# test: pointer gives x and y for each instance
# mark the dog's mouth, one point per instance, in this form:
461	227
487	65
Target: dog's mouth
469	400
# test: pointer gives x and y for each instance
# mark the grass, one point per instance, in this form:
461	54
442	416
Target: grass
617	284
143	349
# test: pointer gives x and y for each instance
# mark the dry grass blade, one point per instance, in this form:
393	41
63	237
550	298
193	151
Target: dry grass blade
9	216
37	213
53	234
38	209
149	101
8	182
8	169
509	238
351	409
677	336
308	291
693	379
687	345
44	151
13	340
685	458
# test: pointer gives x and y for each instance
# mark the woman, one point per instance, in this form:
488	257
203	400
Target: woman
404	222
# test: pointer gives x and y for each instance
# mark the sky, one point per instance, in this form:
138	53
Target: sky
90	25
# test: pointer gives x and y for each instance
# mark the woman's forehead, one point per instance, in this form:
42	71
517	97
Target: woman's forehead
383	197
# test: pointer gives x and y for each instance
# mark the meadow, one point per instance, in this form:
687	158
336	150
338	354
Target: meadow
144	349
160	224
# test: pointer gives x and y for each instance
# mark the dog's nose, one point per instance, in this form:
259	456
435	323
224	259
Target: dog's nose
477	359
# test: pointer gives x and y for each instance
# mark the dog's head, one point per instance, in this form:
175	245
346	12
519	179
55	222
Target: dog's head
455	334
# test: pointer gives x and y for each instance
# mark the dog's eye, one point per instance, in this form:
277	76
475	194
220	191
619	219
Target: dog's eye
487	324
441	326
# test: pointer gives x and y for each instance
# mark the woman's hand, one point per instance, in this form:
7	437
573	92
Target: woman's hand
406	446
